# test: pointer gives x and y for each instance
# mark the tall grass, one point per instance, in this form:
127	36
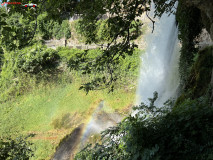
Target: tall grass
36	112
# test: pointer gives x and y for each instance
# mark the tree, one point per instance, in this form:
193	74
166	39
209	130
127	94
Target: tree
121	20
17	28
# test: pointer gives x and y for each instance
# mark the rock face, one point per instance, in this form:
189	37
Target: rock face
212	89
206	7
204	39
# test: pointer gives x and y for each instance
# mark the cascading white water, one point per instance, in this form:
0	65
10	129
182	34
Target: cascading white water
100	121
159	68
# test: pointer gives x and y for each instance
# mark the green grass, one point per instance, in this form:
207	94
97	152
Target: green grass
36	111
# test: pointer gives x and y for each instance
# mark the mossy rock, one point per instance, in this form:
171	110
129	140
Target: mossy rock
180	99
200	76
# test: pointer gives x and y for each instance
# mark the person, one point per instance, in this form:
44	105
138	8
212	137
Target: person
65	43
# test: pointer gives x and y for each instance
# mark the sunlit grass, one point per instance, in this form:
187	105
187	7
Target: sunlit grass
36	111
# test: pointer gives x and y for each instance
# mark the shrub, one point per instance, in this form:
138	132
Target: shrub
19	149
37	58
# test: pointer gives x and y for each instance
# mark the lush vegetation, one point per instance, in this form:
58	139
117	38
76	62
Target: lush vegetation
183	132
39	93
42	85
33	75
40	63
122	27
180	130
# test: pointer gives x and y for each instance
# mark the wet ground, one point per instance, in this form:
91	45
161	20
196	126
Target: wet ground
67	147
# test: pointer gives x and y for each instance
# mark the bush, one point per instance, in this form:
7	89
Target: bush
19	31
37	58
70	56
57	31
130	64
18	149
62	30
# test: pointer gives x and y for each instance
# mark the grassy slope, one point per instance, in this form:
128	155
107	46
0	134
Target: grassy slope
36	112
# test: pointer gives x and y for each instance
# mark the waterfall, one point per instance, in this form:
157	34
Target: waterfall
159	65
99	121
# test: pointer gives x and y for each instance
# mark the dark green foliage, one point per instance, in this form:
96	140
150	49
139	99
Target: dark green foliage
18	29
15	149
3	16
190	26
184	132
1	56
71	57
200	74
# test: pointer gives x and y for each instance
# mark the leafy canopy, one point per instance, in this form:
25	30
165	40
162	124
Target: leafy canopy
122	28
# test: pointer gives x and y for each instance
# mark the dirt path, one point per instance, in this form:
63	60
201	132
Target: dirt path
66	149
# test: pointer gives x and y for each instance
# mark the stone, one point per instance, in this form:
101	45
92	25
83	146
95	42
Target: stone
206	7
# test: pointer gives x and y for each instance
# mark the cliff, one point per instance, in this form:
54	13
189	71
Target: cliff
192	16
206	8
